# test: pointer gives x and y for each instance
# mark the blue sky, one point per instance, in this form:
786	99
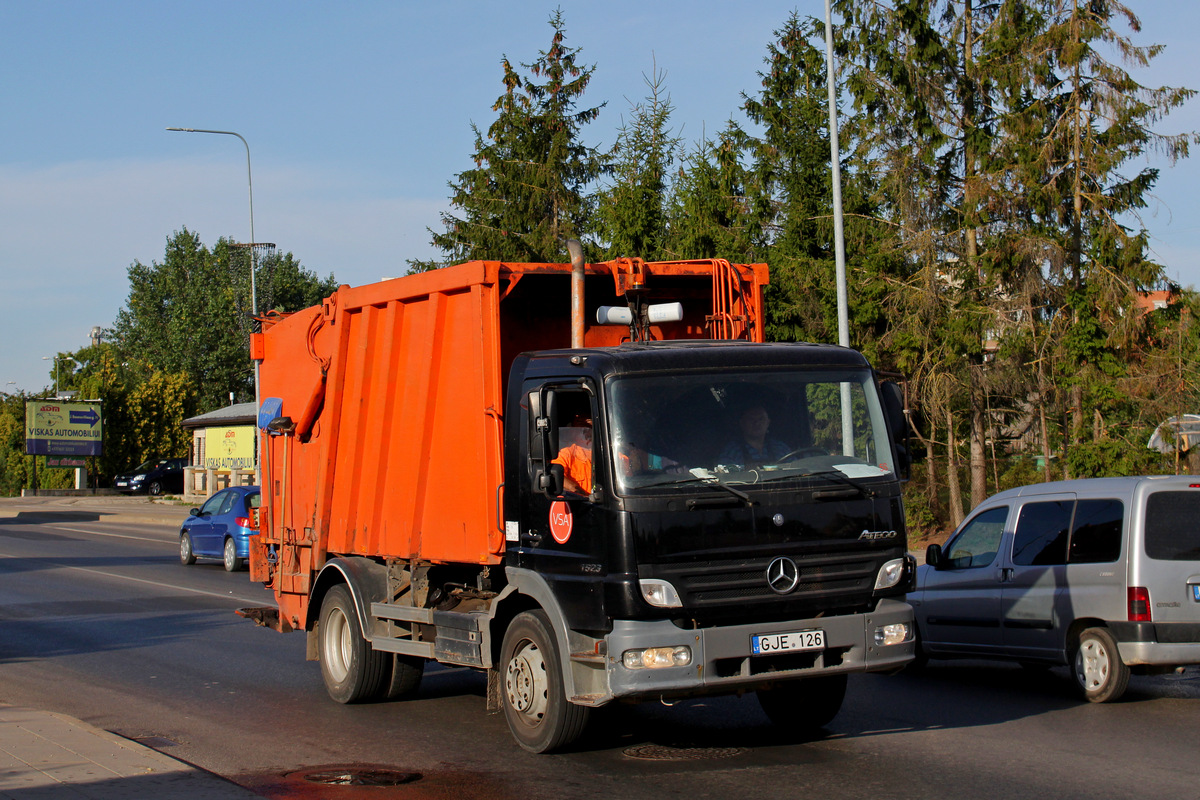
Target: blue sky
357	116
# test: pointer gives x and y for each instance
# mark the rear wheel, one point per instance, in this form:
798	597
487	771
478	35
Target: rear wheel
352	671
1100	673
232	562
187	556
535	704
807	705
406	675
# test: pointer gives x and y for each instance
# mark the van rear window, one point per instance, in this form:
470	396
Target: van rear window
1171	530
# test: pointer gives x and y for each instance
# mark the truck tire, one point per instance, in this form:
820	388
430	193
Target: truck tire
535	704
352	670
1099	672
805	705
405	678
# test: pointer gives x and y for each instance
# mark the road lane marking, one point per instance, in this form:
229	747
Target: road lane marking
159	584
112	535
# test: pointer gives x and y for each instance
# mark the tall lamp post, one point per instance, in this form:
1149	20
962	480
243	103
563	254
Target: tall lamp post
253	286
55	360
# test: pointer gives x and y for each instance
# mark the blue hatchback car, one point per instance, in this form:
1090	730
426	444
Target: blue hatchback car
222	527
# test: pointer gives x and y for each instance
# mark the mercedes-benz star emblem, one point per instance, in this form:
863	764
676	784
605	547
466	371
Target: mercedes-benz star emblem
782	575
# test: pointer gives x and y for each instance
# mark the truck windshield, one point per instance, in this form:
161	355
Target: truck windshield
747	428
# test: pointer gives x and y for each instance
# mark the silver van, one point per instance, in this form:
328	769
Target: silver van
1101	574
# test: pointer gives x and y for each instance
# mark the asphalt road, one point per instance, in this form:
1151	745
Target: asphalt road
98	620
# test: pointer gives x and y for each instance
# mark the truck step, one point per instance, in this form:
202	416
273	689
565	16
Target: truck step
590	658
402	613
403	646
588	699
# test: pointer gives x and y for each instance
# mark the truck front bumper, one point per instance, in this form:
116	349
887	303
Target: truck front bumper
722	660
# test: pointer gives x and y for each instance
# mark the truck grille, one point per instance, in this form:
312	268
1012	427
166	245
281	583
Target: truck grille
709	584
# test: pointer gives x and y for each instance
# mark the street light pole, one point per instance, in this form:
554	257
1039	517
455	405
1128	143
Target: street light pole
253	287
55	359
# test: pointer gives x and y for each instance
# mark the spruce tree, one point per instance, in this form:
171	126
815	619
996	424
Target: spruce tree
528	191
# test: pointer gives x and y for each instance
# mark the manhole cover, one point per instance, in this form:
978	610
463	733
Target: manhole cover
658	752
354	776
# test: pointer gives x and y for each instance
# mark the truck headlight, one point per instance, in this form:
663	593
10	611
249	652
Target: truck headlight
657	657
896	633
890	574
659	593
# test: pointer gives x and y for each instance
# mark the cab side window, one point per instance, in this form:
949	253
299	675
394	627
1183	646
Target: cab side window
979	540
1042	531
1096	533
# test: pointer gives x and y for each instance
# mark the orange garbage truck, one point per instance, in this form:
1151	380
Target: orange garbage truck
594	482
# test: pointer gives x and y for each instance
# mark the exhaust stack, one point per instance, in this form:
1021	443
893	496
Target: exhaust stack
576	251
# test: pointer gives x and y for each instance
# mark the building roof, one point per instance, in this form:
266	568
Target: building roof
238	414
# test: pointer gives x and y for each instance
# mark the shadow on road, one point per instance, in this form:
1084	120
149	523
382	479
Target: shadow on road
46	517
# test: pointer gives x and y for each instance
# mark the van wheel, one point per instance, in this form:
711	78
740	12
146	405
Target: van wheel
155	489
187	556
535	705
805	705
353	672
1099	671
232	562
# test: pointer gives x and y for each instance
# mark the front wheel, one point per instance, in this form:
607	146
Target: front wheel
155	489
352	671
1100	673
535	704
805	705
232	562
187	556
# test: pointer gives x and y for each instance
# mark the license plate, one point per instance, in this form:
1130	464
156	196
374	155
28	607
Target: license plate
764	644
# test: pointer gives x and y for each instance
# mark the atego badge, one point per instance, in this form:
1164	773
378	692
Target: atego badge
560	521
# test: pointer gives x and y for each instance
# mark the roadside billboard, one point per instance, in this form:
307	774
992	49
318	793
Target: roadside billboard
57	428
229	448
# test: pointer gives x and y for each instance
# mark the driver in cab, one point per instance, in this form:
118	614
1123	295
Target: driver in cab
752	445
576	458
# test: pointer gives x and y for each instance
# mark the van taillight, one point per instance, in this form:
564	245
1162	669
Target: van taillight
1139	604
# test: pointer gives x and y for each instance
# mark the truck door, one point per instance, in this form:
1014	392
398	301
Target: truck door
563	534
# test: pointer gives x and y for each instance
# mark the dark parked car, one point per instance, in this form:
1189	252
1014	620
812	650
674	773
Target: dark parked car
221	528
157	476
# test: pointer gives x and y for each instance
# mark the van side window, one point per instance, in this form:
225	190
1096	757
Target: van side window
976	544
1096	534
1171	530
1041	537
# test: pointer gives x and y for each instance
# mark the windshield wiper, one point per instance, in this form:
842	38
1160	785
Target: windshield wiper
837	475
709	480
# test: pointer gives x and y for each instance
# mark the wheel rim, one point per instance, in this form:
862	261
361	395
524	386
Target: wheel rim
1092	664
526	683
230	554
185	548
337	645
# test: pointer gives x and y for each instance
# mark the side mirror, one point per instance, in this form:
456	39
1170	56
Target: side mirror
195	512
893	408
933	556
550	481
543	432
